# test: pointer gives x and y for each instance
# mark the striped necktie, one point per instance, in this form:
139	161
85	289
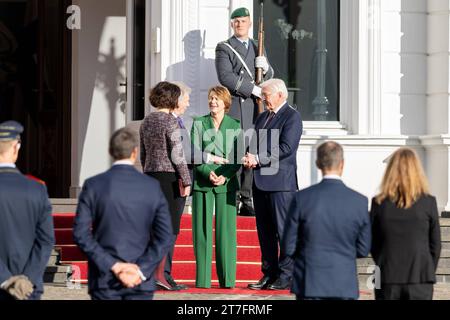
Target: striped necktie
269	119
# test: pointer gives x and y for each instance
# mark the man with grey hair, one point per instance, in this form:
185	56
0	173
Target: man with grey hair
273	156
131	231
327	229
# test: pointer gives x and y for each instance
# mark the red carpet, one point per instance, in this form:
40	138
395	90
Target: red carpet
248	254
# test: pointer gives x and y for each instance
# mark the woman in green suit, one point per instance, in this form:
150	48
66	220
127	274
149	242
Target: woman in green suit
215	189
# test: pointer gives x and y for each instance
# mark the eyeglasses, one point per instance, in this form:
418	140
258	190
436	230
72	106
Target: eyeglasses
264	95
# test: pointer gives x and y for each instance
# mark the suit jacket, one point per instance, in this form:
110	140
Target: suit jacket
278	161
130	222
406	242
26	228
232	74
223	143
327	229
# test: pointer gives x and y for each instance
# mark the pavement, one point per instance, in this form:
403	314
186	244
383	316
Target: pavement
57	292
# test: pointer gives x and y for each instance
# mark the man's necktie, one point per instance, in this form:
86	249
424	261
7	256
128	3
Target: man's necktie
245	45
180	123
269	119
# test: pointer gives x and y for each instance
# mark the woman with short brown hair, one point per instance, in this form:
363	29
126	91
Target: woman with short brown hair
162	158
406	239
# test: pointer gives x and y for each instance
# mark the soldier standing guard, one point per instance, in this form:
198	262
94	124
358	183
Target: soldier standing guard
236	63
26	224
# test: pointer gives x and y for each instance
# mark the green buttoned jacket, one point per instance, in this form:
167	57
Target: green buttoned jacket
226	143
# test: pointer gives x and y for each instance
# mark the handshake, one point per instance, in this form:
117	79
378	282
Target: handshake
128	274
18	287
249	161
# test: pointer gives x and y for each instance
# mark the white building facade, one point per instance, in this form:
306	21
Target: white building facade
392	68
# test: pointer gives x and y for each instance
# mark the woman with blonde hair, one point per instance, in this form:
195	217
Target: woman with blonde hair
406	239
215	187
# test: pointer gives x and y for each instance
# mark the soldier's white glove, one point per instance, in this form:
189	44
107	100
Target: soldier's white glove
261	62
257	92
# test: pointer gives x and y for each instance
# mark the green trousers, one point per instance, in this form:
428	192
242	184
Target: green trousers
203	205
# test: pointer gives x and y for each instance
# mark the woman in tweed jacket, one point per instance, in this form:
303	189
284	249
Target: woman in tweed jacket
162	158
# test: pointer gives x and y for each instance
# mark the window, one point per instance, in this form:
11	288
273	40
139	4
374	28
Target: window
302	43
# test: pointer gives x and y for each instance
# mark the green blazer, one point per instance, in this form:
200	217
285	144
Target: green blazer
222	143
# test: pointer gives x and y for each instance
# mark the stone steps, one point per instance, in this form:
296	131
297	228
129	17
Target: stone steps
56	273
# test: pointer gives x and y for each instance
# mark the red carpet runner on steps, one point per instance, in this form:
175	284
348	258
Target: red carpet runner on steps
248	265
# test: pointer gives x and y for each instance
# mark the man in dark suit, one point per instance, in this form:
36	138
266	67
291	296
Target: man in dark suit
273	155
236	63
26	224
131	227
328	227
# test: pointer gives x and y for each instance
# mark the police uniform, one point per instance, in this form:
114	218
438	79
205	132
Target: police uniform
233	75
26	224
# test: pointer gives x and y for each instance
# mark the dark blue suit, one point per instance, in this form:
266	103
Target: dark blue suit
26	229
327	229
130	223
275	183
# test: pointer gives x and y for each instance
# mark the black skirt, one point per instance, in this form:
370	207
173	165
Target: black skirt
170	188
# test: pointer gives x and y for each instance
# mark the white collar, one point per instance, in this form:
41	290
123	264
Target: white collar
243	41
7	165
175	115
123	163
332	177
279	108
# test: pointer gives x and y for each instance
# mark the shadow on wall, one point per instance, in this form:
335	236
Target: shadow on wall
413	57
110	74
197	72
95	69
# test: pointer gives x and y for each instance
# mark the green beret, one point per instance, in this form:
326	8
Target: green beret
240	12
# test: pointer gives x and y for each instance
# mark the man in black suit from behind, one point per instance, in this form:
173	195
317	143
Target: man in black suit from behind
131	228
26	224
327	229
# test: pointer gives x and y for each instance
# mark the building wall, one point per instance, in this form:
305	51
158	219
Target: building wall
383	79
394	73
98	102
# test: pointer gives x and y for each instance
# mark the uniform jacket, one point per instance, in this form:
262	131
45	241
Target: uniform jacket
26	227
232	74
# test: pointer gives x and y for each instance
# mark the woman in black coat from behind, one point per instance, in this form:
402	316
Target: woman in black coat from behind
406	238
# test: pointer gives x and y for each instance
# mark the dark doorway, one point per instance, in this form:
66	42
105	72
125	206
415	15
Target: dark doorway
35	86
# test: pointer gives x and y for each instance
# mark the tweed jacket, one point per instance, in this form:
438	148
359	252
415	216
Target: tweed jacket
161	147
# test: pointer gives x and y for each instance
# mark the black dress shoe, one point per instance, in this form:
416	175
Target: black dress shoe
176	286
261	284
164	286
280	284
246	211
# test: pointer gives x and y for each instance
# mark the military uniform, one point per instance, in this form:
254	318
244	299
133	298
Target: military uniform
233	75
26	224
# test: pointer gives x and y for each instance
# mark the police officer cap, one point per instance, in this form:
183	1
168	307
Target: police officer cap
240	12
10	130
